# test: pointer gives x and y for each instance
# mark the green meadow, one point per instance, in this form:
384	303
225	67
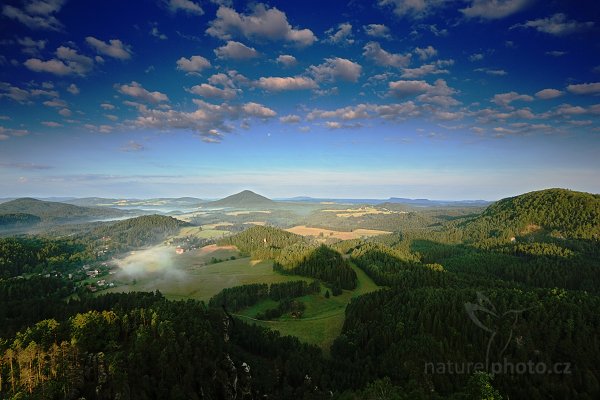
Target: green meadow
323	317
192	275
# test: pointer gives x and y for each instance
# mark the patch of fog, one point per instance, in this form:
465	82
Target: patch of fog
156	262
112	219
159	209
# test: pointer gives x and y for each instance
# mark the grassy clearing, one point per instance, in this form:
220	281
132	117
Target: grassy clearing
247	212
203	232
323	318
328	233
360	212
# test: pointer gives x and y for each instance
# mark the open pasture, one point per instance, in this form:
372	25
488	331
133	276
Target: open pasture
328	233
192	274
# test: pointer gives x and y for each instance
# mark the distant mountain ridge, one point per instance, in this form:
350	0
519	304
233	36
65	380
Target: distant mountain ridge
393	200
50	211
131	202
243	199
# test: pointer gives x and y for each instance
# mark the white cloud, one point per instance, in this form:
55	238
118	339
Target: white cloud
107	106
290	119
286	83
585	88
132	146
193	64
31	47
476	57
336	68
114	48
258	110
343	35
73	89
157	34
65	112
379	56
504	99
435	68
287	60
349	113
68	62
547	94
236	51
209	91
569	110
6	132
51	124
55	103
556	53
21	95
36	14
490	71
52	66
136	90
404	88
377	31
412	8
556	25
333	125
494	9
395	111
426	53
210	121
231	79
439	93
186	6
262	23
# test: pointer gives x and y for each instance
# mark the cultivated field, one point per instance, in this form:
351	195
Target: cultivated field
361	211
204	231
320	232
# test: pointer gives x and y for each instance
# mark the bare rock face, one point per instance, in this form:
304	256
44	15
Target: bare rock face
245	382
226	378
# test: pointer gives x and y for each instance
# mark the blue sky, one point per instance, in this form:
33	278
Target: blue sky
408	98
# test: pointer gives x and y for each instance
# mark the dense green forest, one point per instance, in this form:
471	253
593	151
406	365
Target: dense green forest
322	263
140	346
295	254
262	242
238	297
23	255
498	305
138	232
563	213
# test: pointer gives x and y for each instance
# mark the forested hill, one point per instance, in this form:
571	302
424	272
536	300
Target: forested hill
50	211
561	212
18	219
139	231
262	242
295	254
244	199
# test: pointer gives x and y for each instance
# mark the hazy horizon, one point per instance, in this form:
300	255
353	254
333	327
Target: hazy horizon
211	197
